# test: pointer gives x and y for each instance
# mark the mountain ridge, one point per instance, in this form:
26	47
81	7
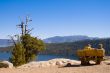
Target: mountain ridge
55	39
62	39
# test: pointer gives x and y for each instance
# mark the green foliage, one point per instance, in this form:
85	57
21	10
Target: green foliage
26	50
32	46
18	56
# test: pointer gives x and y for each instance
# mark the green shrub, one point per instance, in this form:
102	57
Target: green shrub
18	56
26	50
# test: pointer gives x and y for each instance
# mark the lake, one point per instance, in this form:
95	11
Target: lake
5	56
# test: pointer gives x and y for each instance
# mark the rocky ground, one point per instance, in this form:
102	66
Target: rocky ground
59	66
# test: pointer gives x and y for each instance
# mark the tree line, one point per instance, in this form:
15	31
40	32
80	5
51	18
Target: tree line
70	48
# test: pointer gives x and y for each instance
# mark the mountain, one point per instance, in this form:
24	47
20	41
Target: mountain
62	39
56	39
70	48
5	42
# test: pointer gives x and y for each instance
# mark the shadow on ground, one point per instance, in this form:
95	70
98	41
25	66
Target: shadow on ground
79	65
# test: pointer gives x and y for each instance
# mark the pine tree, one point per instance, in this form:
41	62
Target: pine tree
18	56
32	47
27	48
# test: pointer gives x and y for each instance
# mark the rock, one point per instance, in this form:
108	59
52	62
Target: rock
106	62
6	64
59	63
51	63
68	64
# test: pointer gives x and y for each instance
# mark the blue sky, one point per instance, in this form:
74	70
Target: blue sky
56	17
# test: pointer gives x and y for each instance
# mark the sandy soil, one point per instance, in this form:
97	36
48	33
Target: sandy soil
102	68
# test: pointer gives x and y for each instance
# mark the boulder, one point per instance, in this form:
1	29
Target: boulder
60	62
6	64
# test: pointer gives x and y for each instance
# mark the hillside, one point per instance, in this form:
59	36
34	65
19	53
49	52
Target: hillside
62	39
70	48
56	39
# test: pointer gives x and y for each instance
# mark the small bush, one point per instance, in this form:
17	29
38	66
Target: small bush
2	65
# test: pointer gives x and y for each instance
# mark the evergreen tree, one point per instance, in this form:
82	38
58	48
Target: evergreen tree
27	47
26	50
32	47
18	56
